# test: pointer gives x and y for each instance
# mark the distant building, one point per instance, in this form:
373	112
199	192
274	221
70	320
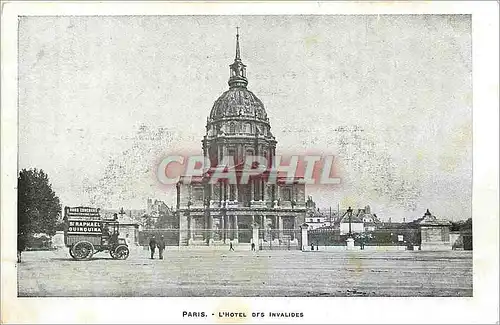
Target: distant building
361	220
435	233
317	220
124	216
316	217
355	223
159	215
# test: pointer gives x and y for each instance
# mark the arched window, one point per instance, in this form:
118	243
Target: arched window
286	194
248	128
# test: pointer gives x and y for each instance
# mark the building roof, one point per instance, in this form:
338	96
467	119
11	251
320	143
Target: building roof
358	216
239	103
430	220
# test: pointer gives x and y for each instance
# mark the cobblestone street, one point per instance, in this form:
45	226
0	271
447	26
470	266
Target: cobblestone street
244	273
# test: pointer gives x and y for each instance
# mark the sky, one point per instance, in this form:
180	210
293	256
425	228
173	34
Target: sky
103	99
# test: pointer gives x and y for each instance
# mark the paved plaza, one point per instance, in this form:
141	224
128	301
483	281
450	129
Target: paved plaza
200	273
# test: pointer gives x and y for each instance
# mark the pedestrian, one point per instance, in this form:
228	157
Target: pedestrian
253	246
161	246
231	248
114	237
152	246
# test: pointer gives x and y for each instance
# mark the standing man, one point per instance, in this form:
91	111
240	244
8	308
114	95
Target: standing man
152	246
231	248
161	246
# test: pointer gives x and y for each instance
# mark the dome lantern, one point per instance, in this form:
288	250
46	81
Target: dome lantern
237	70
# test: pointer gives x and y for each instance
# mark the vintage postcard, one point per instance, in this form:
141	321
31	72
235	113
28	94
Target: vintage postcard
233	162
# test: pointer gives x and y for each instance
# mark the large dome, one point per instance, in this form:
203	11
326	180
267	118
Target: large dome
238	102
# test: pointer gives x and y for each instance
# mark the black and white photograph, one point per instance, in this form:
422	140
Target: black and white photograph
232	155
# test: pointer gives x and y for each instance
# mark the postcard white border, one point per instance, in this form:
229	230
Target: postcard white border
482	308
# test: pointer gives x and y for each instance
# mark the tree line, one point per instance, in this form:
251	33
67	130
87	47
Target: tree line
38	208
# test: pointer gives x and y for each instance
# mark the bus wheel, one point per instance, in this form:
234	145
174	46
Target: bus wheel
83	250
121	252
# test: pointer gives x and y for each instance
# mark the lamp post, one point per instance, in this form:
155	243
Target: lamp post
350	240
188	214
349	213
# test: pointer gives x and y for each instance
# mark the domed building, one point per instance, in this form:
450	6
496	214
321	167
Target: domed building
214	214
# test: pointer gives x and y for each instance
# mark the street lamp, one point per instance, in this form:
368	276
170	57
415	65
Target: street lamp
349	213
350	240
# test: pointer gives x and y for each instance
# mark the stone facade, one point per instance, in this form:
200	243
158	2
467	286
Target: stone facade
435	233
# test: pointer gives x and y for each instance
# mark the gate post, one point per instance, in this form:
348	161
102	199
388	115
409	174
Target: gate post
304	243
255	235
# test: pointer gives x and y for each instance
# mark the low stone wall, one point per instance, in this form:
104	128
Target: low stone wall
358	248
437	246
222	248
385	248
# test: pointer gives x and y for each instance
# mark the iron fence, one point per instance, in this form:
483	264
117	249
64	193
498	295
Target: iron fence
377	237
171	236
267	239
275	239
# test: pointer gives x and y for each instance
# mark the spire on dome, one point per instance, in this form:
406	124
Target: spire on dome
238	71
237	44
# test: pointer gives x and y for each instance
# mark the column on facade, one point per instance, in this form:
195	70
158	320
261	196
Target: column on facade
210	228
191	227
224	225
262	189
189	221
266	192
267	232
280	227
276	227
252	190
